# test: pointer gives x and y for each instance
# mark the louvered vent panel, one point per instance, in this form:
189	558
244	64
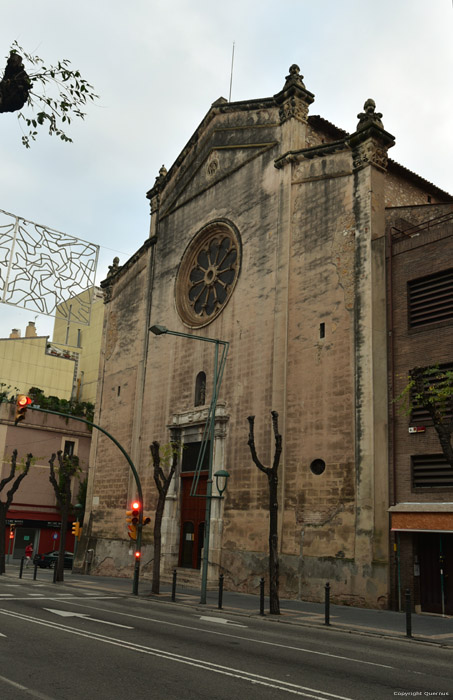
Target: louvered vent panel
420	415
430	299
431	470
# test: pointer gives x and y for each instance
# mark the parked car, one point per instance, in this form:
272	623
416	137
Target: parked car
49	559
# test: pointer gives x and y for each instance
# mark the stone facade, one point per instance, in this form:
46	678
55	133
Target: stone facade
297	209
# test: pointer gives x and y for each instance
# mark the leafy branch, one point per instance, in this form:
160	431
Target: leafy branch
431	388
54	94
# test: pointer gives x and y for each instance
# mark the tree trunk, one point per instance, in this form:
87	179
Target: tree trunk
162	482
274	603
157	544
272	477
4	505
3	509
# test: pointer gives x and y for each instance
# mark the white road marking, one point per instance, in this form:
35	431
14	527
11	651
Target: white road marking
221	620
5	595
66	613
2	635
254	678
235	636
33	693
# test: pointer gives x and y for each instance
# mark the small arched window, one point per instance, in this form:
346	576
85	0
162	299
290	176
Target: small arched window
200	389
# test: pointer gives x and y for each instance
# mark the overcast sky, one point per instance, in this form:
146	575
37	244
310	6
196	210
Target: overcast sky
159	64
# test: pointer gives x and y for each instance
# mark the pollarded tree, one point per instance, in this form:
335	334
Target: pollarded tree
162	482
5	505
272	477
68	467
431	388
51	95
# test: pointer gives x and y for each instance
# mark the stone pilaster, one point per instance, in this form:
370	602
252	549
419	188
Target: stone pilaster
369	146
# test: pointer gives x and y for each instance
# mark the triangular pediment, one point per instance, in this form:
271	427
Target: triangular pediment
203	172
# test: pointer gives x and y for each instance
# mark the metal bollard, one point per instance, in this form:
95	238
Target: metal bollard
262	596
220	591
55	572
408	613
35	572
21	569
327	604
173	587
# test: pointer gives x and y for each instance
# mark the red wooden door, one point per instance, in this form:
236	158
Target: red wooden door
193	511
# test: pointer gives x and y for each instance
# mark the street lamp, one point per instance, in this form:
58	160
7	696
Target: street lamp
221	478
221	475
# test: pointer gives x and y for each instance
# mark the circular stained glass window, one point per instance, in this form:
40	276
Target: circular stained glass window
208	274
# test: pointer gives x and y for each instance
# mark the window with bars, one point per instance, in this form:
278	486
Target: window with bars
431	470
430	299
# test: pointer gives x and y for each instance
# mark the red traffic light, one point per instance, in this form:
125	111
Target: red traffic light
23	400
137	555
135	505
21	407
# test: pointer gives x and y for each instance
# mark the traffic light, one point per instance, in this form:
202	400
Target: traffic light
11	531
22	403
76	529
132	518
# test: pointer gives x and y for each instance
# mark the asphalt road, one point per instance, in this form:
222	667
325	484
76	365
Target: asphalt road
78	644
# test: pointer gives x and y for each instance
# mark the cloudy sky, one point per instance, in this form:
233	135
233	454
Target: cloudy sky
159	64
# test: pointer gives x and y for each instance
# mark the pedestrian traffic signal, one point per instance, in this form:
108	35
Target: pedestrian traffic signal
22	403
76	529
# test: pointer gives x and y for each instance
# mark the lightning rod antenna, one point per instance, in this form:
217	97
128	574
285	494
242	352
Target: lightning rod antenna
231	76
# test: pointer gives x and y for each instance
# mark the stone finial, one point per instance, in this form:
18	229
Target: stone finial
294	99
369	116
294	77
160	179
113	269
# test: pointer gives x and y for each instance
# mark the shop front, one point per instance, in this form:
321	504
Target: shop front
424	555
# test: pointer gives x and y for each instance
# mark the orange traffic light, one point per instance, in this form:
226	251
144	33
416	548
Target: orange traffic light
132	519
22	403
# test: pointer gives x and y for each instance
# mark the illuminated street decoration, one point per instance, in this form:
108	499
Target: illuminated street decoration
41	268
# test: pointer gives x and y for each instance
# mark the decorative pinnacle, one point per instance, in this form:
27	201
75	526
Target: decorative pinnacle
369	116
294	77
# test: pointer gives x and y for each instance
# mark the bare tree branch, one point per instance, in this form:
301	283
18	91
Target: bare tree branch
251	444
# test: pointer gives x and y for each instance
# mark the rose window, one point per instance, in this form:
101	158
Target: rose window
208	274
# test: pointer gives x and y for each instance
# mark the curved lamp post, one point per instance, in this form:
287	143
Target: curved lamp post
221	475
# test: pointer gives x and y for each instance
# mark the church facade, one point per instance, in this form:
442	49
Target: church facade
267	233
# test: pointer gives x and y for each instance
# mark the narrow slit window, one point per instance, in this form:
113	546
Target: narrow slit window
200	389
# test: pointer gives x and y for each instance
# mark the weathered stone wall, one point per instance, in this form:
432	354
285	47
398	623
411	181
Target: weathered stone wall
306	324
109	488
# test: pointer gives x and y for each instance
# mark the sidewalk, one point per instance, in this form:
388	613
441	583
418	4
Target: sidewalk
386	623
